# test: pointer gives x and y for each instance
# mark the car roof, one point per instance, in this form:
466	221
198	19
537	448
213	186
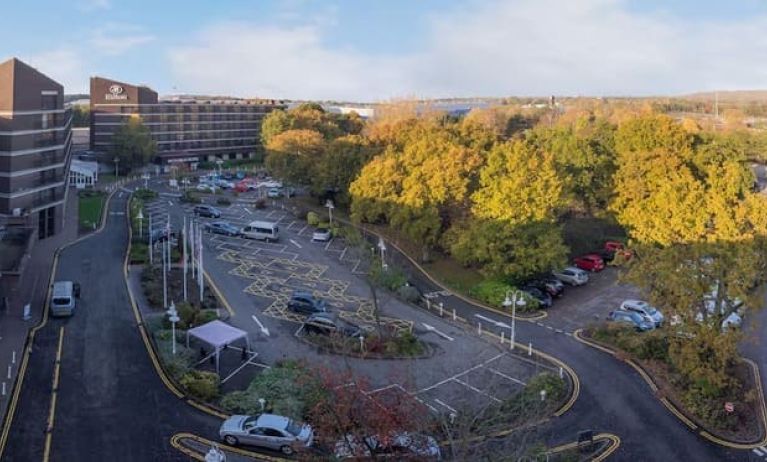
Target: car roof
573	269
322	316
639	303
62	288
300	293
272	421
590	256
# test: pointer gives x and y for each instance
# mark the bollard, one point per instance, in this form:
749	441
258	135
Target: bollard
479	328
428	304
27	312
453	314
9	371
502	334
362	344
13	357
560	372
441	306
3	388
530	349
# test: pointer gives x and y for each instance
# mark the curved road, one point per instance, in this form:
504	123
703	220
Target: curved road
111	403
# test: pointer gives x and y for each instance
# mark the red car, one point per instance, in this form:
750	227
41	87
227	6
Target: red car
589	262
618	248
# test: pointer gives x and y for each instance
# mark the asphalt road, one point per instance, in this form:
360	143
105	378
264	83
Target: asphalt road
613	397
111	403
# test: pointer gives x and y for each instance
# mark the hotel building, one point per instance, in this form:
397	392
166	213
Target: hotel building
35	144
186	130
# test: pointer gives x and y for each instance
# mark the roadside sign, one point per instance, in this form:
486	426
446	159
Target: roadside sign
729	407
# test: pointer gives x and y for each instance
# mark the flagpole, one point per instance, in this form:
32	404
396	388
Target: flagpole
200	270
183	241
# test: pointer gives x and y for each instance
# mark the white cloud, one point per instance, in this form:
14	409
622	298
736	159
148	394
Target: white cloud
117	39
492	47
64	65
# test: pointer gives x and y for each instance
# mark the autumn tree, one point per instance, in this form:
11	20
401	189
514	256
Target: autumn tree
340	163
274	123
292	154
420	185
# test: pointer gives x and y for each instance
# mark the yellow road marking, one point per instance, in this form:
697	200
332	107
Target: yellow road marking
616	442
54	396
175	441
218	293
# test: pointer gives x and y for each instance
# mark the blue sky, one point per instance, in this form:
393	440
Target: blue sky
380	49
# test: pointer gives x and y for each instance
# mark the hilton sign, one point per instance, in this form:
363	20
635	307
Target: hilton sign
116	92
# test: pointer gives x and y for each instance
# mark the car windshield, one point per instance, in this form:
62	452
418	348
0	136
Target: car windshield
293	428
61	301
249	423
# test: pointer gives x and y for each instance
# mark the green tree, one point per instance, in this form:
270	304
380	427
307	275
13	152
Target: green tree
81	116
510	251
340	164
274	123
132	143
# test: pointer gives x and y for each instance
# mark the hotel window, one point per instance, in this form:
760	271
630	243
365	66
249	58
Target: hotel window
49	102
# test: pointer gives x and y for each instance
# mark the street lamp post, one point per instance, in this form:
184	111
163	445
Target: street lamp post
140	217
151	244
382	247
513	302
330	206
173	318
117	161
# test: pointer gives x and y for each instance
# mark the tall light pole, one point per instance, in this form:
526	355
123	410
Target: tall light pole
164	280
117	161
183	237
330	207
140	217
382	247
173	318
151	244
513	302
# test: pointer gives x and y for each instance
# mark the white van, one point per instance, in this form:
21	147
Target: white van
63	298
264	230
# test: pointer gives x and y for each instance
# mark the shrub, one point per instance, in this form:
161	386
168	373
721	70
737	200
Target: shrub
409	294
285	388
312	219
391	277
190	198
187	313
139	253
200	384
145	194
223	201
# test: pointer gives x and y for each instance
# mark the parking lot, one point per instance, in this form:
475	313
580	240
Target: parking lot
259	277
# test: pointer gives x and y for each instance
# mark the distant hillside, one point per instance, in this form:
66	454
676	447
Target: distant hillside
739	96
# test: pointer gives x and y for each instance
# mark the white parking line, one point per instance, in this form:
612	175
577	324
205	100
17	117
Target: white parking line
757	452
302	229
328	244
477	390
295	243
438	401
508	377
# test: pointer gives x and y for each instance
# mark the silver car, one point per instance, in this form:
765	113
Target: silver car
267	431
572	275
645	309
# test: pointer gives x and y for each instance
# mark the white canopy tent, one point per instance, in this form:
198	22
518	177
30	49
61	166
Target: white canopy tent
219	335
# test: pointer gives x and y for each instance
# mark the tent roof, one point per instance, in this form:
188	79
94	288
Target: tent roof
217	333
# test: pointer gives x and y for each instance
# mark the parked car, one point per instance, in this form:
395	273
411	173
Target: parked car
224	184
306	303
645	309
222	227
267	431
589	262
398	446
159	234
207	211
636	320
206	187
606	255
274	193
321	235
571	275
618	248
543	297
329	323
551	285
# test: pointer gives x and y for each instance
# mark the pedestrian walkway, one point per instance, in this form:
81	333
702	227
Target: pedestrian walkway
32	290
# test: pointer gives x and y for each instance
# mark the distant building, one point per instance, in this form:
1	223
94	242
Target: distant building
35	144
187	131
83	173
